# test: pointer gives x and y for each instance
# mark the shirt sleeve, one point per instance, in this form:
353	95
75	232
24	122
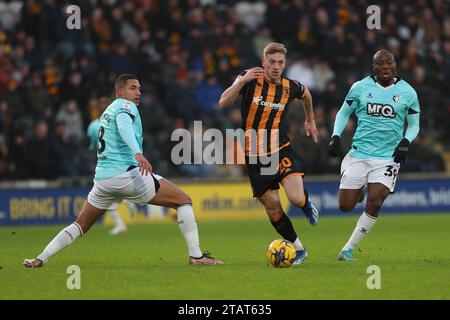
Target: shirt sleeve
413	117
352	99
414	106
299	89
349	105
125	127
341	119
413	126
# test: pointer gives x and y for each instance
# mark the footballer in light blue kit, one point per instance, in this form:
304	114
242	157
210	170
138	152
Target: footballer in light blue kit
93	138
123	173
115	156
381	103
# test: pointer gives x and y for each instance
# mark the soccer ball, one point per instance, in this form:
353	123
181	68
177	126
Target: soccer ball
281	253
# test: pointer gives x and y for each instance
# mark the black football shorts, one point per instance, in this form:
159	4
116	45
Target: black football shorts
260	182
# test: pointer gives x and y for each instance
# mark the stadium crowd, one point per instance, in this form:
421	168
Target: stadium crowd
185	53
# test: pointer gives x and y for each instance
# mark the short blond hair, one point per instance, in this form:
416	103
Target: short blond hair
274	47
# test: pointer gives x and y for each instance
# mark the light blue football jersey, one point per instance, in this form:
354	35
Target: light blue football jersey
114	155
92	133
381	113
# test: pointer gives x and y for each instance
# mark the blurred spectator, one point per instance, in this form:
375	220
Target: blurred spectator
301	71
64	149
18	157
5	168
262	37
208	95
70	116
33	55
39	156
12	96
251	14
322	75
120	60
38	97
180	99
10	14
74	89
422	157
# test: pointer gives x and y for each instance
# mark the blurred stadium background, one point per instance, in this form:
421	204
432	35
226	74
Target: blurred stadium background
185	54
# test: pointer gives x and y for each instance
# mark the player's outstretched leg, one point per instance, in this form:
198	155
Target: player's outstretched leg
310	210
119	224
282	224
132	207
89	214
169	195
348	198
299	197
377	193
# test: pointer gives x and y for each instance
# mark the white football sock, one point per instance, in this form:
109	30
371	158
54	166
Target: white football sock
62	240
132	207
188	227
298	245
117	218
363	226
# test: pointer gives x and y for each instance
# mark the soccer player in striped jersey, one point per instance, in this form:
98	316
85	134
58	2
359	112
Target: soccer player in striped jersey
123	172
381	103
266	96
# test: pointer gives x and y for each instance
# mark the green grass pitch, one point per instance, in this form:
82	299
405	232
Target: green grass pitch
150	262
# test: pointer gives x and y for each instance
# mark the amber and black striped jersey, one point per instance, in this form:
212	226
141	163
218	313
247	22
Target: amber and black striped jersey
264	107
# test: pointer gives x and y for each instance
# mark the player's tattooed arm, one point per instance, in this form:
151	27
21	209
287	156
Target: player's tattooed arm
310	125
230	95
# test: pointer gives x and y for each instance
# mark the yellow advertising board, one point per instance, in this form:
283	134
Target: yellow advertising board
227	200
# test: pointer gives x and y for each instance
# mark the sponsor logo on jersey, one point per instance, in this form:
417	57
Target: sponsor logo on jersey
258	100
378	109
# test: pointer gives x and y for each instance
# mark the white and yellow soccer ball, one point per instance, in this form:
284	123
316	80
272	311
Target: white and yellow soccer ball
281	253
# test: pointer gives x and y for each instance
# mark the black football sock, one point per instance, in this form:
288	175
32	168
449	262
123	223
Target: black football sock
285	228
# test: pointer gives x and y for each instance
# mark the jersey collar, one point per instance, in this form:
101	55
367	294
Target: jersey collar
277	84
396	80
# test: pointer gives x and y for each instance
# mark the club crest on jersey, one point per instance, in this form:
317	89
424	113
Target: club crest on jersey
106	117
285	91
395	98
370	95
378	109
